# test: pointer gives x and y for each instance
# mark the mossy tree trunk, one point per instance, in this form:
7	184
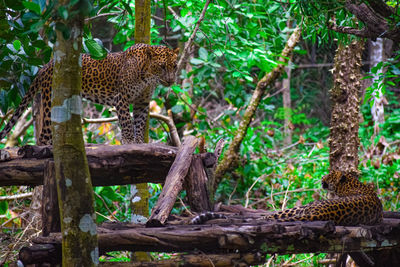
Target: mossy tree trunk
75	194
142	35
345	97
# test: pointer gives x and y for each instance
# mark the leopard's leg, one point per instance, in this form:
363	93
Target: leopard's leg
124	118
45	136
140	116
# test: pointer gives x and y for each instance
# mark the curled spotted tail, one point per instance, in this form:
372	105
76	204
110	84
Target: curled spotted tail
26	100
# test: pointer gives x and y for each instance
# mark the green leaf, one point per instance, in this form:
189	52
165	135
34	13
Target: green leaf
3	207
17	44
96	51
32	6
127	8
177	109
63	12
177	89
196	61
203	54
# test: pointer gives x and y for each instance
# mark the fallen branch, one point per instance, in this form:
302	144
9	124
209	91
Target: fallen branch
242	236
108	165
204	260
167	119
15	197
173	182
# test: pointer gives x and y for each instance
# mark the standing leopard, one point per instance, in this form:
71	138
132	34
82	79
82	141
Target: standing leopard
354	203
120	79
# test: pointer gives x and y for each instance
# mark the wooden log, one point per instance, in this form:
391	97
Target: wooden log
256	236
44	253
196	186
50	209
109	165
173	182
201	260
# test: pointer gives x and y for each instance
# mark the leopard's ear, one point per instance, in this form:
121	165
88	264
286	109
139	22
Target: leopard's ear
150	52
176	50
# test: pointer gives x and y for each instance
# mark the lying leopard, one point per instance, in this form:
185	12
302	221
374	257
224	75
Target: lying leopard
354	203
118	80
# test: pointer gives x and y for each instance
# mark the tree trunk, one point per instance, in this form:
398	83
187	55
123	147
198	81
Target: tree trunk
343	139
140	209
287	104
286	99
75	194
377	54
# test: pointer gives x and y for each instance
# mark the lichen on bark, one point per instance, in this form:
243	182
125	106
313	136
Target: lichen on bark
75	193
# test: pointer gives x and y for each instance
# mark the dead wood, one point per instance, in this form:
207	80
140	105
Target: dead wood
50	209
377	18
203	260
108	165
247	237
196	185
173	182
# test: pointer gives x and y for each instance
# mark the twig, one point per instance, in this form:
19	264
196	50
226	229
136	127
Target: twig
188	44
171	125
20	127
285	198
105	205
99	120
103	15
233	191
173	13
251	187
5	117
284	192
288	260
167	119
184	206
14	197
297	262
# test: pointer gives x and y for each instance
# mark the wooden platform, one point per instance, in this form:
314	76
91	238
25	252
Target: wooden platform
236	234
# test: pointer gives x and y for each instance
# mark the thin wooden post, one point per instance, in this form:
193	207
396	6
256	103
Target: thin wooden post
50	210
196	186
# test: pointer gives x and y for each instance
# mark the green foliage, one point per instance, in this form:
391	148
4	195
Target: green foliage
237	43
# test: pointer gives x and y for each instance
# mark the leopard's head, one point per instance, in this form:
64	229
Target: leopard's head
341	184
163	62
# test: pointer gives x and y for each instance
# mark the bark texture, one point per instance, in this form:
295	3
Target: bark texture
231	155
140	208
75	194
108	165
240	234
173	183
343	139
378	18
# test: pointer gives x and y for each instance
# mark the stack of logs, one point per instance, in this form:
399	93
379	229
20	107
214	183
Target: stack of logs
242	238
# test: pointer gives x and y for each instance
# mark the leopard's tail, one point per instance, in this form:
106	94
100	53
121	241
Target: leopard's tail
204	217
26	100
